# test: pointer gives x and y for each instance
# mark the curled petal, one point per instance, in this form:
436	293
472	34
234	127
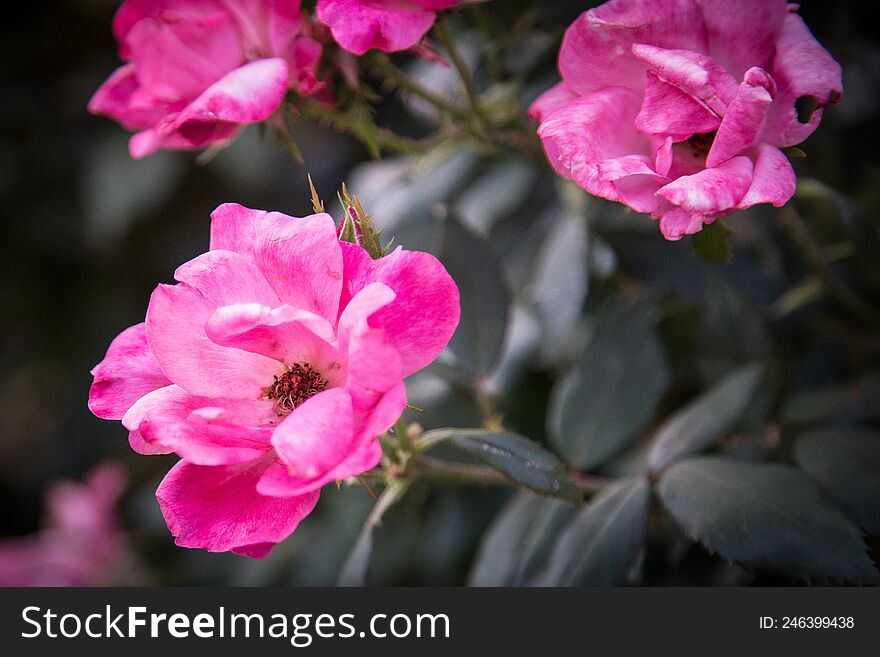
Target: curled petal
285	334
774	179
626	165
745	118
675	223
424	313
245	95
711	190
667	110
697	73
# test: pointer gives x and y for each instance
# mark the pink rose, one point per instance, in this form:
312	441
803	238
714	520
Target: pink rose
270	368
198	70
388	25
79	544
679	108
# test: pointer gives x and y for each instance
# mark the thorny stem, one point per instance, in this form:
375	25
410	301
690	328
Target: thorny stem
383	137
812	252
517	139
399	79
419	466
426	467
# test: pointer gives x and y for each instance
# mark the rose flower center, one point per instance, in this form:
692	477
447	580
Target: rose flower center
702	142
296	385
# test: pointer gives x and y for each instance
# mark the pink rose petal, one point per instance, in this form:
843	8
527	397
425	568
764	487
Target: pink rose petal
218	508
128	372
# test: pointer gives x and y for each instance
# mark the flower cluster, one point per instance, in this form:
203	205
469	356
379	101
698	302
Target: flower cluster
277	359
196	72
270	368
679	108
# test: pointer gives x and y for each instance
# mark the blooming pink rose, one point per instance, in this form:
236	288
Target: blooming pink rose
270	368
388	25
679	108
198	70
80	543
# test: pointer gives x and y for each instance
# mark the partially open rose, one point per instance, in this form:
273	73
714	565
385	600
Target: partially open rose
196	72
679	108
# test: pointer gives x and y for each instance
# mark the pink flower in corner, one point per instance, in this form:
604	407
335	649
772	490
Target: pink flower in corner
389	25
270	368
80	543
196	72
679	108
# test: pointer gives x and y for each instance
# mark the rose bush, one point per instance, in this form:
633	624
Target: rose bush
196	72
270	368
679	108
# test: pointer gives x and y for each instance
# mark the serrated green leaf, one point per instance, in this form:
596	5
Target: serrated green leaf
485	298
599	545
705	420
764	516
523	461
846	463
600	407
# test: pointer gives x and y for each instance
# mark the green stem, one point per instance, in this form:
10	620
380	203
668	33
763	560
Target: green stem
433	469
375	136
444	36
382	65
